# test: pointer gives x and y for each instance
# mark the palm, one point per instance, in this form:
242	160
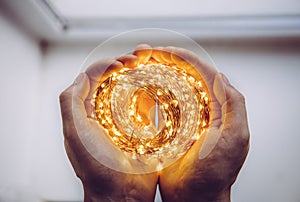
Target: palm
213	162
99	180
209	167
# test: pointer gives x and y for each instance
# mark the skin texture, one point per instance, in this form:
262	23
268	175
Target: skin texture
198	177
100	183
205	173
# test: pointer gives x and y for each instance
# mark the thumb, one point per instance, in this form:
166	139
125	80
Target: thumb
72	102
232	117
234	111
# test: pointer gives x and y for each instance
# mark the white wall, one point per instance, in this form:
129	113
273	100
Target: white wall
54	178
33	161
176	8
19	65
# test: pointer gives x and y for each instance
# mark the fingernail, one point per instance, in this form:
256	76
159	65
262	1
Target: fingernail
225	80
79	78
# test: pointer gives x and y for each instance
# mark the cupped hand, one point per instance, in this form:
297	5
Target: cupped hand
101	183
207	171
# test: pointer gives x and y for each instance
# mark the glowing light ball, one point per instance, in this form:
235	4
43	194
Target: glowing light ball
146	115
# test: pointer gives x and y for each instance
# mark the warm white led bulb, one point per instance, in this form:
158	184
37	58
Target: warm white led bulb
182	102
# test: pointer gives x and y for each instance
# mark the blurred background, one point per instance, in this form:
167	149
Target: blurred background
44	42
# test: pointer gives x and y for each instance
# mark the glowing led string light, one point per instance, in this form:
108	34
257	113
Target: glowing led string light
182	100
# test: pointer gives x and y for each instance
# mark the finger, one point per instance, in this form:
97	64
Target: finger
143	52
79	131
229	115
97	70
100	70
162	55
219	88
97	73
199	69
234	112
72	104
216	105
129	61
65	99
193	64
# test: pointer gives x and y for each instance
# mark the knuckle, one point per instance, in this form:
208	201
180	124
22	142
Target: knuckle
65	95
239	96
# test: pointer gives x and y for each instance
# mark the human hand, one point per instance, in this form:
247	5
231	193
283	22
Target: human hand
207	171
100	183
107	184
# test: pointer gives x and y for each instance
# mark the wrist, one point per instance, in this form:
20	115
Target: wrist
96	194
223	196
91	196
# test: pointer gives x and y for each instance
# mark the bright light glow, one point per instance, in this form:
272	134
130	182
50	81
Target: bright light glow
122	98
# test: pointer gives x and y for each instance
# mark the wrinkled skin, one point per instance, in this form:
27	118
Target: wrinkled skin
205	173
